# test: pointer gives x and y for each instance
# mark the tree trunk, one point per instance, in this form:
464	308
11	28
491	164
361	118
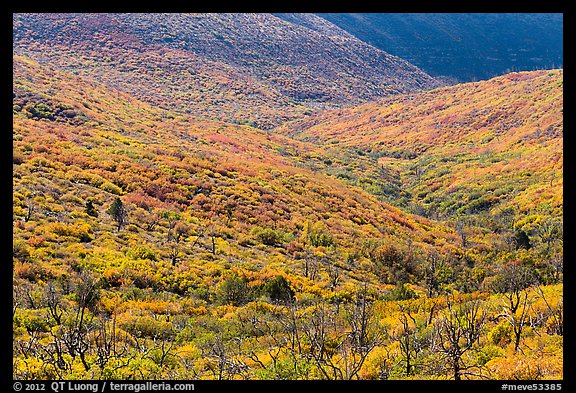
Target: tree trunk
456	368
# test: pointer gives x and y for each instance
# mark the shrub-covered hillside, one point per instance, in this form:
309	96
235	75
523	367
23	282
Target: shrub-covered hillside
150	244
249	68
468	149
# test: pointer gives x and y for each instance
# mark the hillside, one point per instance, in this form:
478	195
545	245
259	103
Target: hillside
461	150
222	245
462	47
248	68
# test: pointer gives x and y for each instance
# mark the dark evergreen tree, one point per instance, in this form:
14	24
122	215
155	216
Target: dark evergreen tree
279	290
91	209
521	240
118	212
235	291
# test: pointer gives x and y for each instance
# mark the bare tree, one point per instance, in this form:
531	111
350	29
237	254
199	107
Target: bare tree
557	265
333	271
52	299
462	231
152	219
222	363
458	329
76	336
410	344
30	206
513	283
181	231
410	347
72	337
337	343
556	314
435	271
364	333
162	349
110	346
310	265
174	252
171	218
549	231
516	313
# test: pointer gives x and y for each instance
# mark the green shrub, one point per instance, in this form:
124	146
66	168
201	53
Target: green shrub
235	291
320	239
400	292
278	289
488	353
267	236
500	334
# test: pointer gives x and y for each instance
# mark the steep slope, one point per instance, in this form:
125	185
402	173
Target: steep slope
465	149
462	47
248	68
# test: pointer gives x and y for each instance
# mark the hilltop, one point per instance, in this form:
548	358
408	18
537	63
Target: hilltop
248	68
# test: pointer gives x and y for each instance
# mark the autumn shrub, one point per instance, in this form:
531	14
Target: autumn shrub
72	198
84	177
142	252
379	363
181	284
111	188
529	367
145	326
246	241
20	250
31	271
80	230
500	334
36	241
113	277
295	247
141	279
17	158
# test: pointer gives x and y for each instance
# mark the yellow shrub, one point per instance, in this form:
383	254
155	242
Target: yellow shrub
378	362
526	367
